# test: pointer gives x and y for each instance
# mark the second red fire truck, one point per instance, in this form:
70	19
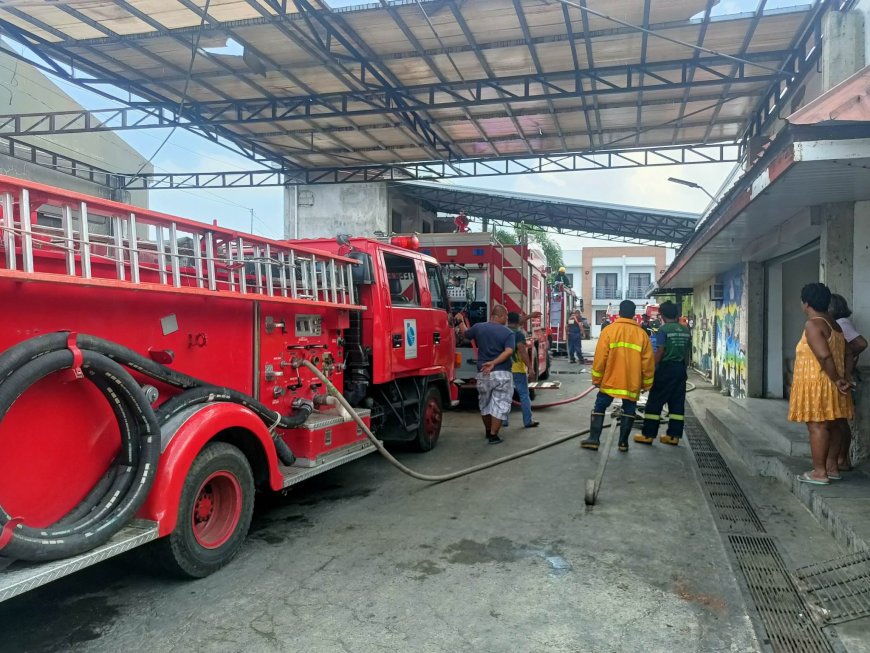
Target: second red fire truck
482	272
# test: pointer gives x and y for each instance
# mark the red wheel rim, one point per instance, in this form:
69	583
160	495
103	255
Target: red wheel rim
432	420
217	510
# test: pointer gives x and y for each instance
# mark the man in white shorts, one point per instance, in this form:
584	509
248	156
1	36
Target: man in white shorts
495	385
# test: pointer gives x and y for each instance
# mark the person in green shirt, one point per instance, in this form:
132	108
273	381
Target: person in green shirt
673	355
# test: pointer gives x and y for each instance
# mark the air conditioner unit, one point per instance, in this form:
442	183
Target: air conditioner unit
717	292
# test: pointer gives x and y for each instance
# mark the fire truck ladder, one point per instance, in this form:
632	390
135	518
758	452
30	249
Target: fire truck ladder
107	240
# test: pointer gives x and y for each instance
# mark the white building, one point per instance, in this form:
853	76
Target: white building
612	274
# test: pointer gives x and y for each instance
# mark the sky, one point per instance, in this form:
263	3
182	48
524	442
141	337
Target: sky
185	152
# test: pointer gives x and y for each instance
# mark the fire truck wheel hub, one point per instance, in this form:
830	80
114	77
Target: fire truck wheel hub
432	419
217	509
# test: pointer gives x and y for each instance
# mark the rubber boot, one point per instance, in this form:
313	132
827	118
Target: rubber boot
625	425
595	427
670	439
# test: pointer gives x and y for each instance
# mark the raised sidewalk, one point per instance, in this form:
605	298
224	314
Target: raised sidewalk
759	433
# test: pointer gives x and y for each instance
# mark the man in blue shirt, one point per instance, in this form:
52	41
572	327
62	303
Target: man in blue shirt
495	386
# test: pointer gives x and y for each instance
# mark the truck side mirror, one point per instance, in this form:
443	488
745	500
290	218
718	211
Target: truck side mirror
362	272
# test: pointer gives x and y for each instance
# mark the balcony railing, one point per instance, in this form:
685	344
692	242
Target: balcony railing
637	292
608	293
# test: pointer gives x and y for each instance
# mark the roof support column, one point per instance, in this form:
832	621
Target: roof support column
843	52
836	250
755	308
860	303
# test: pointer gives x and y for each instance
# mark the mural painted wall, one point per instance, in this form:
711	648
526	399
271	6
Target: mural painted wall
730	333
703	318
719	332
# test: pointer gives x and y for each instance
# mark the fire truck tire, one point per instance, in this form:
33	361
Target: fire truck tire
214	513
543	376
431	416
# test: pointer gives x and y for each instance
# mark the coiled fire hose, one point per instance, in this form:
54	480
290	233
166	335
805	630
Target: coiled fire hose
440	478
117	497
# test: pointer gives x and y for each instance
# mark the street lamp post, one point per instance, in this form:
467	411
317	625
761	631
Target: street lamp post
691	184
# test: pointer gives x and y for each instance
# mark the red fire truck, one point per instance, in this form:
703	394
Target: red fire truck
481	272
562	303
650	310
152	376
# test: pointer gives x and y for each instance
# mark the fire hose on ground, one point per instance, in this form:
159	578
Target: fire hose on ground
440	478
117	496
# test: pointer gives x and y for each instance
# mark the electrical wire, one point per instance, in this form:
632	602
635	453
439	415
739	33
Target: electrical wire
186	85
659	35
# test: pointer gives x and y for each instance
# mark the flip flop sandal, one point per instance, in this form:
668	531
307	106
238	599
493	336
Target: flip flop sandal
835	477
806	478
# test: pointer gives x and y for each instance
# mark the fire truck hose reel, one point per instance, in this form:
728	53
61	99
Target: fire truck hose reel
124	488
116	497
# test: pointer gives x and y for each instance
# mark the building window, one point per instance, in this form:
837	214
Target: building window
607	286
570	276
638	282
599	316
402	277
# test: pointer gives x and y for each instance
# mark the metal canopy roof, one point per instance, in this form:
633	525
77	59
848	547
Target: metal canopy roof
302	87
608	221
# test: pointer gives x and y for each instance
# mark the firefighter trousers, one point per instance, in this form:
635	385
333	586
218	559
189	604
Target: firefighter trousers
575	347
669	387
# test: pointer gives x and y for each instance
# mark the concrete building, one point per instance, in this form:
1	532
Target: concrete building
800	212
573	259
24	89
327	210
611	274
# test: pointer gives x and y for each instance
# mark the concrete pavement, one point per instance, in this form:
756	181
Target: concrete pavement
364	559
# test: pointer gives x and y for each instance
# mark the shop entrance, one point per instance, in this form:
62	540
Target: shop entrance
784	319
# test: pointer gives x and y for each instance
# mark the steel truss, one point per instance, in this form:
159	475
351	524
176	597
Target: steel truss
611	80
624	223
609	160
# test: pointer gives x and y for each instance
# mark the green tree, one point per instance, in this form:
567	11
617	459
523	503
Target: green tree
505	237
527	233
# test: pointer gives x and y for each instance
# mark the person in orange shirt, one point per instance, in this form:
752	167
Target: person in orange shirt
623	366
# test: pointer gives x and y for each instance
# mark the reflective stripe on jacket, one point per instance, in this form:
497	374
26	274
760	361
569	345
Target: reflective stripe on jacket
624	362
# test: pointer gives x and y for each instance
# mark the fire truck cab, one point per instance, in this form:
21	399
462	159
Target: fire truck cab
400	352
156	372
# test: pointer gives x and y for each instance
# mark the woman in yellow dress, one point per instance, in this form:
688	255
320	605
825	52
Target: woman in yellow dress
820	390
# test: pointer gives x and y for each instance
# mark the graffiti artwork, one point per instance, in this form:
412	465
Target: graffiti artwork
730	351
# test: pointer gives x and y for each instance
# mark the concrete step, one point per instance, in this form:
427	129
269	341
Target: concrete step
770	418
842	508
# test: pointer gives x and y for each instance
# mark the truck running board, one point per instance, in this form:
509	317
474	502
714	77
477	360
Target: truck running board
294	474
19	579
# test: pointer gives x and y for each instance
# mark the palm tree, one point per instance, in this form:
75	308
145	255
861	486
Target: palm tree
527	233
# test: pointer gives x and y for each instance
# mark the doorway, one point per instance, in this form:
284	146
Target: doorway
784	318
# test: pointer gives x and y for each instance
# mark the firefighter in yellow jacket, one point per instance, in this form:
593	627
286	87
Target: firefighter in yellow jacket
623	366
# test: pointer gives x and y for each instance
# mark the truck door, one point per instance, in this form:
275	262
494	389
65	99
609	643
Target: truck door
440	331
406	319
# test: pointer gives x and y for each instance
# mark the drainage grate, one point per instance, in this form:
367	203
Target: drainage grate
838	588
730	506
786	617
